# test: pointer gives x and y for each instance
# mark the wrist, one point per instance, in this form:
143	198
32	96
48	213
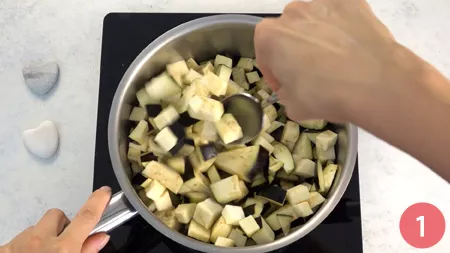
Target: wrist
5	249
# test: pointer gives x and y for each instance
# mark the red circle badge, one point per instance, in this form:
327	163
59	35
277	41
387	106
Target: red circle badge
422	225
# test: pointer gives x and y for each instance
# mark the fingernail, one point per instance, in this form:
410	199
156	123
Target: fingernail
105	188
104	242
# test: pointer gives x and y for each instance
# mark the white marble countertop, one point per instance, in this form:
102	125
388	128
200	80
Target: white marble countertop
70	32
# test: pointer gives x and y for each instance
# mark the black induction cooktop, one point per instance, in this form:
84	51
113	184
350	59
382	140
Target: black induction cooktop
125	35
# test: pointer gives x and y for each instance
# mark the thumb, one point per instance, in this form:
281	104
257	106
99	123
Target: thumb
95	243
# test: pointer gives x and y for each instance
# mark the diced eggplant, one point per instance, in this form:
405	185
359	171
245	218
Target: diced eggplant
224	242
134	154
206	68
140	180
155	148
272	219
166	117
305	168
164	202
205	130
283	175
265	235
204	108
240	162
214	84
169	219
220	229
274	126
191	76
258	180
286	185
144	198
177	163
307	185
274	165
144	99
142	147
290	134
245	63
238	237
161	87
271	112
138	114
313	188
297	194
263	143
148	157
198	232
153	110
228	128
313	124
282	153
136	168
186	149
312	134
250	210
315	199
240	78
326	139
266	123
302	209
233	214
170	101
166	139
328	176
233	88
277	134
196	197
224	73
273	194
244	191
269	138
198	163
185	212
191	63
166	176
327	155
155	190
213	174
139	132
252	77
177	70
186	120
262	85
223	60
207	212
208	151
285	223
226	190
194	184
303	148
249	226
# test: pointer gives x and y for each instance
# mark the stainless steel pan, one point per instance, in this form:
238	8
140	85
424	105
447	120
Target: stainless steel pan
201	39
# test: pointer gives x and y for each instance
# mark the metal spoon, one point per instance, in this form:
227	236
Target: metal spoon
248	113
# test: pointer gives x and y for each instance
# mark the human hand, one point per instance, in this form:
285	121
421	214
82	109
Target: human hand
324	57
54	233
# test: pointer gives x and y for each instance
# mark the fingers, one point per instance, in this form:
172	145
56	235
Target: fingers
297	9
95	243
264	50
88	216
52	223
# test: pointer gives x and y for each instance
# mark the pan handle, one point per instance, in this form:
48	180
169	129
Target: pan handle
118	211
